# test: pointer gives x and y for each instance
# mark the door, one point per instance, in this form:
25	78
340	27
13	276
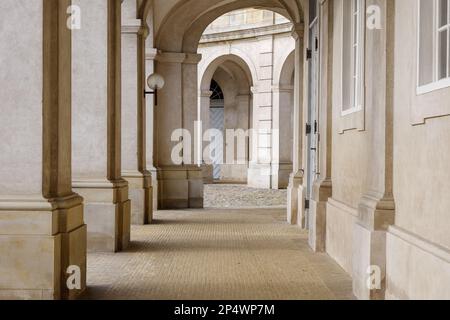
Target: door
217	122
313	128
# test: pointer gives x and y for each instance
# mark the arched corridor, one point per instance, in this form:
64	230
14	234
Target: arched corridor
242	254
107	188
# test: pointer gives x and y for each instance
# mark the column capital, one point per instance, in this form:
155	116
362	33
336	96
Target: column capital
170	57
282	88
206	93
192	58
254	90
178	57
298	31
132	26
150	53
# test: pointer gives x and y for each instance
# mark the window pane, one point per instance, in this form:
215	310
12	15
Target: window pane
443	12
426	34
347	69
442	62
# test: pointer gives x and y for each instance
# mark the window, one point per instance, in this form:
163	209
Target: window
353	56
433	50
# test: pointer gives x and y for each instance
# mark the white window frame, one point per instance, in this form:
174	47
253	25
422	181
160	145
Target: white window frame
442	83
359	43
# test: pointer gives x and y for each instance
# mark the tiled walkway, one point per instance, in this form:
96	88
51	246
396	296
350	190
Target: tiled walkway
217	254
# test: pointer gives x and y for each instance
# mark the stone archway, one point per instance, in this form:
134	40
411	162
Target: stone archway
177	32
235	78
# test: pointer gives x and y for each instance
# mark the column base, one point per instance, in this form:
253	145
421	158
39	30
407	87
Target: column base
141	196
236	173
39	240
295	181
154	176
281	175
107	214
259	176
369	257
318	216
180	187
375	215
207	173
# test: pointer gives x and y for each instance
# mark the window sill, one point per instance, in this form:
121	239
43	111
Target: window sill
441	84
352	119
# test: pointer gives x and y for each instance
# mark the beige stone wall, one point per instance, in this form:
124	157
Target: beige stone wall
419	244
422	151
350	162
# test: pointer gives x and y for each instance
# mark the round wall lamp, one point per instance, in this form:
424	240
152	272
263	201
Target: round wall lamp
155	82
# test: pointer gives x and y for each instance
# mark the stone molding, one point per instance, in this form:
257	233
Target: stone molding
247	33
132	27
151	53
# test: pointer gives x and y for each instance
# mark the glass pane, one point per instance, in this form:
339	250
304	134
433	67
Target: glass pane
427	29
442	62
443	12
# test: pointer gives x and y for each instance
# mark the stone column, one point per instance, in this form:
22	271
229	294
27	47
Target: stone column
322	189
134	164
282	141
97	125
42	232
295	205
260	171
377	206
180	184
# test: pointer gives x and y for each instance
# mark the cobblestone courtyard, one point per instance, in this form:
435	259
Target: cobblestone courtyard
217	254
241	196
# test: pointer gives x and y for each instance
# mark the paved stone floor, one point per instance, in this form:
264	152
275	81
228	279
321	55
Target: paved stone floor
217	254
241	196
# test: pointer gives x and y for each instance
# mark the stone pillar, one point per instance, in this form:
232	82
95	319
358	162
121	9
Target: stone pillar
322	189
134	164
180	184
97	125
282	141
295	205
150	54
260	171
42	232
377	206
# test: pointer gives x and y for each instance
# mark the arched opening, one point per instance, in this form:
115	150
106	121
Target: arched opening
226	119
186	52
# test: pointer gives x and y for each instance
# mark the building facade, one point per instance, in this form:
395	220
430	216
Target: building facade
84	153
249	55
